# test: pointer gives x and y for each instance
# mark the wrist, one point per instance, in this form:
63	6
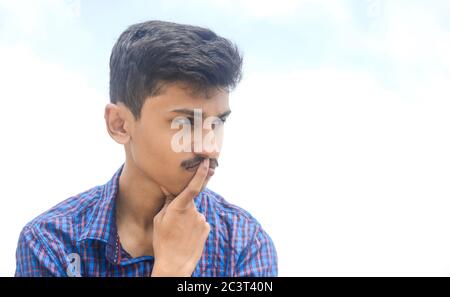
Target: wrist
161	270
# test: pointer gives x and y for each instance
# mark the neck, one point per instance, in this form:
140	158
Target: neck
139	198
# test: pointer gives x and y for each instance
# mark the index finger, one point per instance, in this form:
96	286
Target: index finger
194	187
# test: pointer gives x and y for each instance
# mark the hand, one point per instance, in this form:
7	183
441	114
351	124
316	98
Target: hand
179	230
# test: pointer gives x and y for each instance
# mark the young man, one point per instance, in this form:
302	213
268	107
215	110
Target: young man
155	217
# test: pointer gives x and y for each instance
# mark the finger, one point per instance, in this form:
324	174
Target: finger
194	187
206	182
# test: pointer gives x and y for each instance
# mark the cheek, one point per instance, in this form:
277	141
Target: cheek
153	154
150	151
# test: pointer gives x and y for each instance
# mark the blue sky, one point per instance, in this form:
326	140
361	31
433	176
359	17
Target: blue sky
283	35
274	35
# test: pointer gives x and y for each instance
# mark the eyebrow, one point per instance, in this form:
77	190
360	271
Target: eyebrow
190	112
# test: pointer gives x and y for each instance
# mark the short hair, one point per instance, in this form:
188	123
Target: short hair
147	55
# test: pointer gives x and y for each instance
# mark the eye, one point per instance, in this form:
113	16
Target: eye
218	123
184	121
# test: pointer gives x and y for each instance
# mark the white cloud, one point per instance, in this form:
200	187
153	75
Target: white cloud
268	10
53	130
350	178
31	19
413	37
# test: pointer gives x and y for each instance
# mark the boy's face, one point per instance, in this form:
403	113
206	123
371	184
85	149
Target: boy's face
177	129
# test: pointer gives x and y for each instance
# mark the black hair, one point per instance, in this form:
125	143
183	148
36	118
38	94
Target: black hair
149	54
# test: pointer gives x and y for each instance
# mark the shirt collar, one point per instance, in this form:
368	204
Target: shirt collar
102	222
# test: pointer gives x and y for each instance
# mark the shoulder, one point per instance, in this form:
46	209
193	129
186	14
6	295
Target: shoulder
220	204
238	238
66	219
44	241
215	204
232	220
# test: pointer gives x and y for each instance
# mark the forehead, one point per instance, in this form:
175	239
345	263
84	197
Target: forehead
181	96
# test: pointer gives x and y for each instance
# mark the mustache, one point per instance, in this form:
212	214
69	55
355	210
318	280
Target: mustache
213	163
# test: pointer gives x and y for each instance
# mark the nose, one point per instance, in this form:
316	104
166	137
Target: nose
209	143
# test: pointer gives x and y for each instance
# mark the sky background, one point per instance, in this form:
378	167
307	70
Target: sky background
338	143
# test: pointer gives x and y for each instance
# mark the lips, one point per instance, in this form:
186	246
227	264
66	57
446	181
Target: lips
194	167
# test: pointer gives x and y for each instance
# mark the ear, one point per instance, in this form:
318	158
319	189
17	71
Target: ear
118	122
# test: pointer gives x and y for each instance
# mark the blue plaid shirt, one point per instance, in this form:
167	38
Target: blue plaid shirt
78	237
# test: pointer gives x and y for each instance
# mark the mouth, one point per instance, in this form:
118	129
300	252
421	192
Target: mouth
194	168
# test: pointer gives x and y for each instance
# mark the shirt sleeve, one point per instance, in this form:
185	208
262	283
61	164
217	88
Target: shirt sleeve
33	256
259	258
